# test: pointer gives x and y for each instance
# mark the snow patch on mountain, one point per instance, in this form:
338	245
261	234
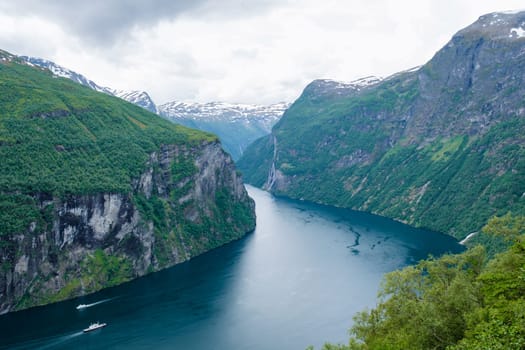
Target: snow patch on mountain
512	12
506	25
63	72
366	81
6	56
356	85
223	111
140	98
266	116
517	32
335	87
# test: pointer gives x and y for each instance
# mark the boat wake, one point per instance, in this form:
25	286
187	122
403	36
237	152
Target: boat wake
85	306
61	340
46	343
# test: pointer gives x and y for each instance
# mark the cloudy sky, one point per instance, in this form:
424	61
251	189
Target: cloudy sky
247	51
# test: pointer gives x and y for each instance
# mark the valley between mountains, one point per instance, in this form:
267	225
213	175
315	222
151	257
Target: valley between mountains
99	187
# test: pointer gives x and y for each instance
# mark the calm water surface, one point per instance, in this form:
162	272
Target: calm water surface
296	281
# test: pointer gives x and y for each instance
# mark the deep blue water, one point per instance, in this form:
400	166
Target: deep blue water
296	281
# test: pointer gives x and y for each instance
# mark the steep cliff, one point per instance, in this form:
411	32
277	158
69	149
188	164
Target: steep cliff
95	191
440	146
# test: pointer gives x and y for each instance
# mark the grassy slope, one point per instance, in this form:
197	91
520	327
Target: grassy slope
60	138
452	184
57	136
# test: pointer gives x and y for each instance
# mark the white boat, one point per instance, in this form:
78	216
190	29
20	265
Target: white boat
81	306
94	326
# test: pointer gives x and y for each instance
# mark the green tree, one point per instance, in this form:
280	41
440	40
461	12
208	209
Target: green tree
500	324
456	302
511	227
422	306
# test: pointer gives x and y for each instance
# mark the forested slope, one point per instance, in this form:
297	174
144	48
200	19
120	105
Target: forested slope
441	146
95	191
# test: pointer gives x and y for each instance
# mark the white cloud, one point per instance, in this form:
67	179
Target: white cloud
259	55
19	34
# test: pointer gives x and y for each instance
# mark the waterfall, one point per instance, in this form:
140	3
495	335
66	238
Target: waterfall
469	236
270	181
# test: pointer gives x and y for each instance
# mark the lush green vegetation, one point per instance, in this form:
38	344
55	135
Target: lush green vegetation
60	138
257	160
62	144
311	125
365	151
17	212
70	139
456	302
102	270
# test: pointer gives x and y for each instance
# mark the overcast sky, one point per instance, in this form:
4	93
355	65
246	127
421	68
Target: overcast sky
247	51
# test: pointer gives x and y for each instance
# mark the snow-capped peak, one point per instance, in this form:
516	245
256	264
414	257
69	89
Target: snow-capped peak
173	109
329	86
512	12
507	25
63	72
221	110
6	56
366	81
140	98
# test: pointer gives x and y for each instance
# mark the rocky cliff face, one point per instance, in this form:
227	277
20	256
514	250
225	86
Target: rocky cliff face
95	191
440	146
477	76
94	241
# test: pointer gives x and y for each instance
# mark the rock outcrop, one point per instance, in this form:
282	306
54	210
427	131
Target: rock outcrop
95	241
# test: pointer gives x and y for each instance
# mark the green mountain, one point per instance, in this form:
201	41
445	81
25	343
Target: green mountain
441	146
95	191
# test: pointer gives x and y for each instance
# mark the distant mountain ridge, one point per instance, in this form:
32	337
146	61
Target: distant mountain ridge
140	98
237	125
216	110
440	146
65	73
